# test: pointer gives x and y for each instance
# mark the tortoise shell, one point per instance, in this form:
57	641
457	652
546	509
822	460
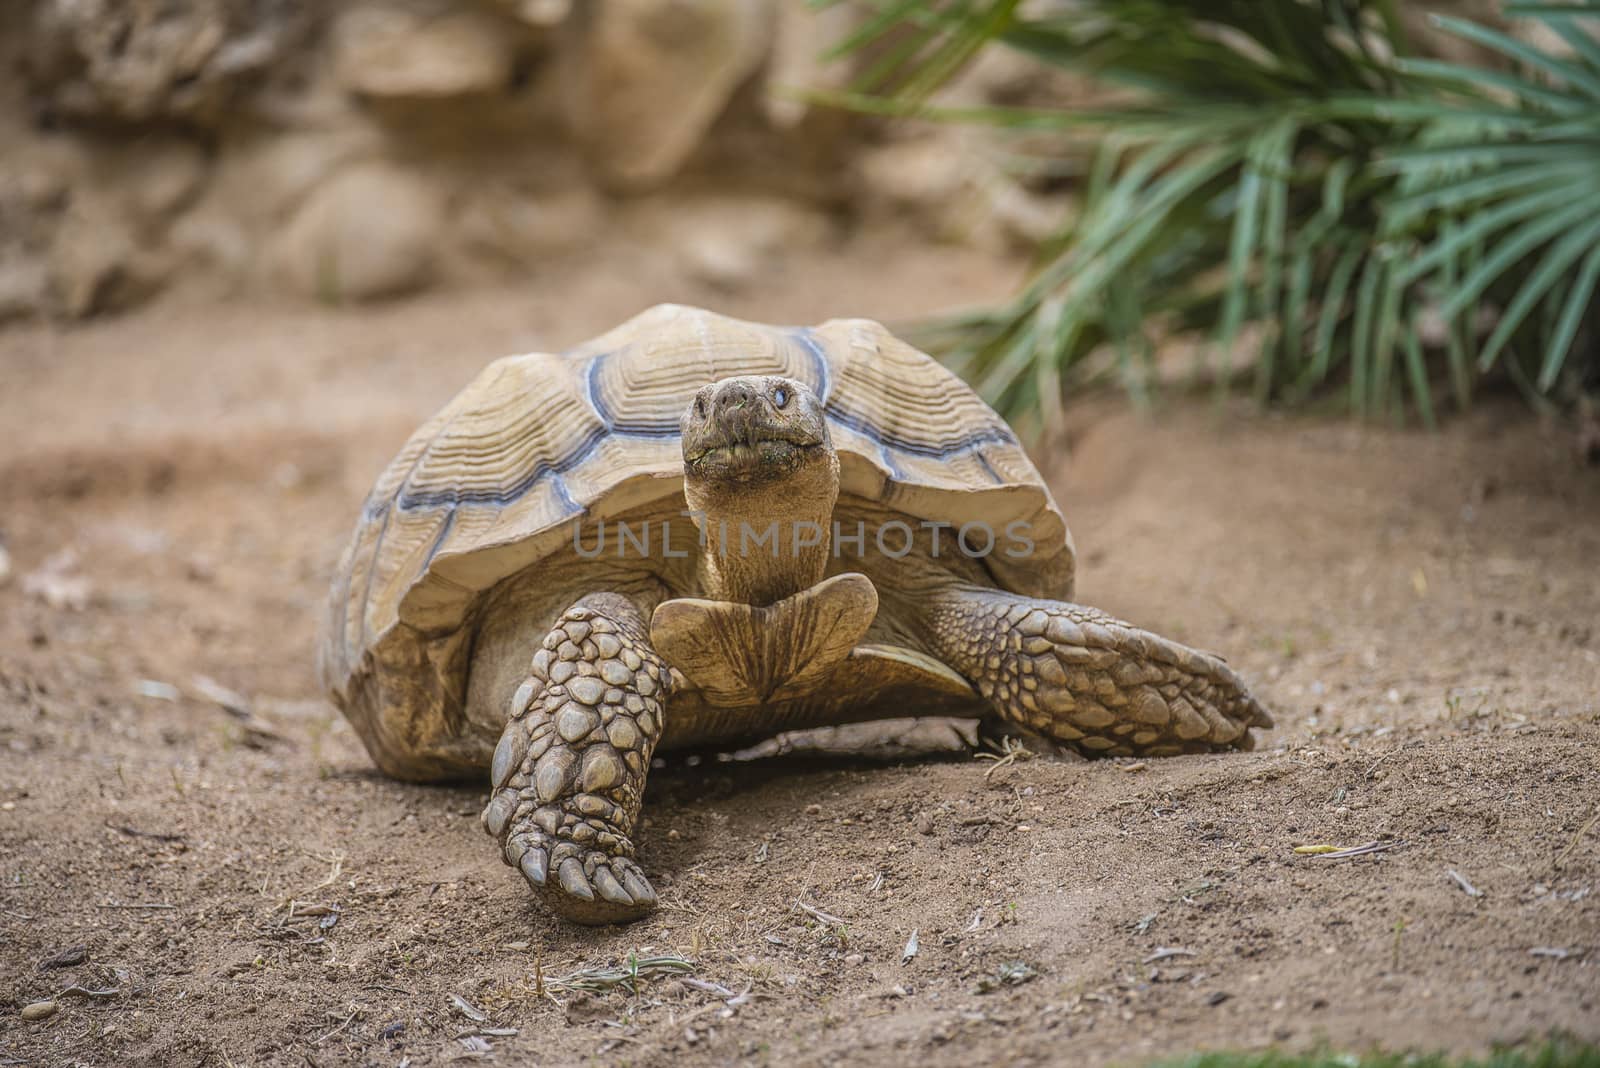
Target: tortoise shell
489	486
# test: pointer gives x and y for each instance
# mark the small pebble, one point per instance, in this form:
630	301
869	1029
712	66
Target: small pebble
39	1010
924	823
813	810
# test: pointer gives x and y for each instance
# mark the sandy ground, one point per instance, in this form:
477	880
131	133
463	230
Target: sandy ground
1421	612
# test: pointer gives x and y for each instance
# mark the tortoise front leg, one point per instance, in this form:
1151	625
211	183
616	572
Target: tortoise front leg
570	768
1078	676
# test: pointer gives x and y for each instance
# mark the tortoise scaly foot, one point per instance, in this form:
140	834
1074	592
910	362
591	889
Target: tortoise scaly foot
569	772
1078	676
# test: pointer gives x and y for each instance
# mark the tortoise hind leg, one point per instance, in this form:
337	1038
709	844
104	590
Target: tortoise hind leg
569	771
1078	676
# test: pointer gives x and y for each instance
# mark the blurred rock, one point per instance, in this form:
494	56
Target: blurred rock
148	179
520	227
541	14
214	249
162	179
370	231
267	178
803	37
256	188
137	60
647	78
395	55
920	173
961	193
98	262
36	182
24	283
353	151
728	241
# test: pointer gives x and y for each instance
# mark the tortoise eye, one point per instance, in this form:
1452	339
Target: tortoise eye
780	396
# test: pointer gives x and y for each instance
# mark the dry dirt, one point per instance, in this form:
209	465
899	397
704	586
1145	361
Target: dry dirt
1420	611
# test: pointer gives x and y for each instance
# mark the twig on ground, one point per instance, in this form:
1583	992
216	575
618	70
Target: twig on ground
1373	767
1324	852
355	1010
85	992
468	1009
1163	952
1461	881
1572	846
337	862
135	833
1011	751
153	905
818	913
709	987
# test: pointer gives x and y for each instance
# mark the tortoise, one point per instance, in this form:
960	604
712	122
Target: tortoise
695	531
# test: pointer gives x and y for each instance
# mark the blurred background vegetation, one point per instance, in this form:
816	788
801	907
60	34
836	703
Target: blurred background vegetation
1358	205
1336	216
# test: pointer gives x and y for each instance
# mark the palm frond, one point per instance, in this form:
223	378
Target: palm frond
1287	171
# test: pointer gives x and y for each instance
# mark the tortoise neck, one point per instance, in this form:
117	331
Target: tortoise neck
762	543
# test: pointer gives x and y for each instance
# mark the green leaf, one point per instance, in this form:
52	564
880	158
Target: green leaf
875	27
1417	371
1539	283
1565	25
1241	249
1574	10
1332	306
1495	183
1536	58
1535	205
1361	334
1476	77
1276	163
1511	248
1571	317
1455	348
1387	324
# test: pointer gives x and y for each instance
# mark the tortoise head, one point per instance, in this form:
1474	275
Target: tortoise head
757	455
753	429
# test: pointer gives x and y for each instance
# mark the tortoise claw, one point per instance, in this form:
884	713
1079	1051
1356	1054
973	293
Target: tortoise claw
609	888
637	885
573	881
536	865
589	887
